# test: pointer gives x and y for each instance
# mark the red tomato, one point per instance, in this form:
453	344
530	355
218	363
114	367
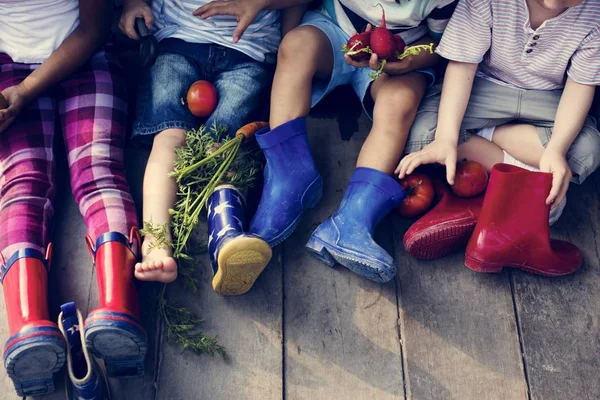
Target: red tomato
471	179
419	195
202	99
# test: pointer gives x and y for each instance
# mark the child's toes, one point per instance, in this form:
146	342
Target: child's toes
158	265
170	265
138	267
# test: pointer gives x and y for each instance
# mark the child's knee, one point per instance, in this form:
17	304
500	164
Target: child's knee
402	104
169	139
299	44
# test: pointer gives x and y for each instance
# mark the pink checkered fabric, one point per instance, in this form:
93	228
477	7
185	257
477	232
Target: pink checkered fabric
91	107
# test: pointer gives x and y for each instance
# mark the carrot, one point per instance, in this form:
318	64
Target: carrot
3	102
248	130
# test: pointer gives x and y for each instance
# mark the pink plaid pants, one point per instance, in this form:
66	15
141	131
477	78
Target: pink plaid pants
91	109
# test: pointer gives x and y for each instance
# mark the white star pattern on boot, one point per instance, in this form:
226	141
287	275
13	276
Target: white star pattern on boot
239	222
209	210
210	238
225	229
237	198
222	207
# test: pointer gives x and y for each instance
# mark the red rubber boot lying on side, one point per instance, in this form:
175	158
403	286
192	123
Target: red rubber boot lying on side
513	230
113	331
446	228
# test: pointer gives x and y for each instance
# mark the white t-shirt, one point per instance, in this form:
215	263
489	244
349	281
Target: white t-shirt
30	30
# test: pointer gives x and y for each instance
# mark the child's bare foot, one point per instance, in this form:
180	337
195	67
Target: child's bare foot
157	264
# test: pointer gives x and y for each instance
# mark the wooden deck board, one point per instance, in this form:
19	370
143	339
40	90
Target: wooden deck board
249	326
459	333
341	336
559	317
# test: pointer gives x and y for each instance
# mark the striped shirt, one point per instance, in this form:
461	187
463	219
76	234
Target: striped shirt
498	36
412	20
174	19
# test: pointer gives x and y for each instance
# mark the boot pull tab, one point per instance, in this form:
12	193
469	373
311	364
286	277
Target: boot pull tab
90	246
49	256
135	240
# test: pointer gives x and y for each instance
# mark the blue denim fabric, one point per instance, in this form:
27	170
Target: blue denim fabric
344	73
239	81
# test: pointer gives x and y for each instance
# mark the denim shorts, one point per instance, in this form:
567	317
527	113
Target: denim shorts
344	73
239	80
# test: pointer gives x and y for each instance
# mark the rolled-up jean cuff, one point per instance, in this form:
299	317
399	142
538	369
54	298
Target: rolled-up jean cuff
579	170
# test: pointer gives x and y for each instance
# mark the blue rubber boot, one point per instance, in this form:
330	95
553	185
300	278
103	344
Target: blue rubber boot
85	380
292	183
237	258
347	237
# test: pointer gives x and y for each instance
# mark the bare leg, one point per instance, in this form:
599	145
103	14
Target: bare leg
305	52
396	102
520	141
159	196
481	150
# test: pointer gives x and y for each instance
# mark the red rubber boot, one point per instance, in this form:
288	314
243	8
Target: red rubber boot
35	349
513	231
113	331
446	228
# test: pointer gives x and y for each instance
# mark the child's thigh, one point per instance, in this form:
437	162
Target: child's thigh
341	72
239	91
158	105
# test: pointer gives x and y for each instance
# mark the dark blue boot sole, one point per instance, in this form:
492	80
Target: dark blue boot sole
357	263
119	340
32	360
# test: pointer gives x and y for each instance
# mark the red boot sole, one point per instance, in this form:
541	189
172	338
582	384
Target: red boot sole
485	267
434	244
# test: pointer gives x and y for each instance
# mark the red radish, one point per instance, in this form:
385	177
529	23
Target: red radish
400	45
358	46
382	40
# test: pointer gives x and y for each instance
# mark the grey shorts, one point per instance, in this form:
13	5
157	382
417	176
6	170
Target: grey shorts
492	104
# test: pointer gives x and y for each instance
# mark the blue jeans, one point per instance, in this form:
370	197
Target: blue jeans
239	81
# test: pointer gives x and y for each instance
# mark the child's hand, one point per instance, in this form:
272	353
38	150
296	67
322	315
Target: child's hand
133	9
391	68
245	11
555	163
16	99
441	151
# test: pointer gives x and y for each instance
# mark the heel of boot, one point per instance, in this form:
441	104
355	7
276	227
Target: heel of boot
119	340
32	358
482	266
318	249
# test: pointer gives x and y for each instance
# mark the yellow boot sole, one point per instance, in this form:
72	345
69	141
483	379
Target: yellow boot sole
240	262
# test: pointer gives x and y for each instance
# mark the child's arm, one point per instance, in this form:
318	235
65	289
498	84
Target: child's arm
456	92
573	109
292	17
77	48
244	10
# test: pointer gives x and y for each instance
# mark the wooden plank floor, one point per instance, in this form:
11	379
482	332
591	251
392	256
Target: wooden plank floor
307	331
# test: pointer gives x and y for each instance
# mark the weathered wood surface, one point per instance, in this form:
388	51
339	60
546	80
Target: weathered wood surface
341	334
307	331
560	318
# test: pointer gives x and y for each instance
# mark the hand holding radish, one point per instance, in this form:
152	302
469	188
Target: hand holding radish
441	151
245	11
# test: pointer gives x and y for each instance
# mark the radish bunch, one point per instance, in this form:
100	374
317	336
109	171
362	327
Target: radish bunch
385	44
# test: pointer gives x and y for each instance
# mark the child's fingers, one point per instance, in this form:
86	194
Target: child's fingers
215	8
402	166
557	179
374	62
450	168
148	17
244	23
129	27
